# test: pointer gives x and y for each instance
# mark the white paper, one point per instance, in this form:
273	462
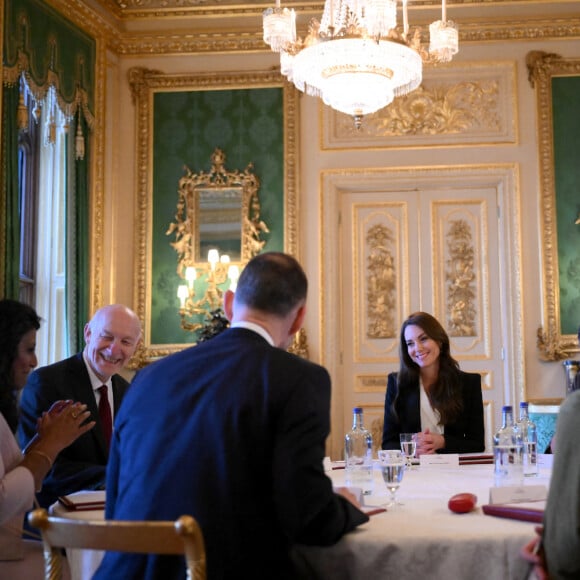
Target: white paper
439	460
517	494
545	460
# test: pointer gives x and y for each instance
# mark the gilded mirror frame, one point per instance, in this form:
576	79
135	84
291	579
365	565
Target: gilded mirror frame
144	83
542	68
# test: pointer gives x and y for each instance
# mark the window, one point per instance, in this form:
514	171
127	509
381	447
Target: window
42	179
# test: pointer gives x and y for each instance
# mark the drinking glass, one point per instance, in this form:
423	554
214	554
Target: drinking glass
408	447
392	467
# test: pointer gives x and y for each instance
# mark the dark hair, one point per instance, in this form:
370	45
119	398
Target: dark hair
445	394
16	319
272	282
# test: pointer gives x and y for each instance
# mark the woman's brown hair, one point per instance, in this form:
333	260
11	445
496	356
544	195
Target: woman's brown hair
445	393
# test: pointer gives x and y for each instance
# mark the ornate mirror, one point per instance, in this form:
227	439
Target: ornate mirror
217	229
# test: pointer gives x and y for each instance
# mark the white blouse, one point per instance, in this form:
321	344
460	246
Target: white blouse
16	494
430	417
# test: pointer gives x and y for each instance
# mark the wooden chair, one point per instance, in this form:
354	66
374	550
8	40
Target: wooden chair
183	536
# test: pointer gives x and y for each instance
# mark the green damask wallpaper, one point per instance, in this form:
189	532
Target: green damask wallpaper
566	104
247	124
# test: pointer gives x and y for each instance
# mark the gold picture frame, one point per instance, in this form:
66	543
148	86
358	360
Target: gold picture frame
542	68
144	83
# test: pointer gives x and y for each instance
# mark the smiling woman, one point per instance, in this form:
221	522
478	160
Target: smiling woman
430	395
18	325
22	474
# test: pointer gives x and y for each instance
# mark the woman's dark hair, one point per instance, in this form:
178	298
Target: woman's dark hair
445	394
16	319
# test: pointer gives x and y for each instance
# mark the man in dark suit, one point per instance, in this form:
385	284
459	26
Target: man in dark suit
232	431
111	337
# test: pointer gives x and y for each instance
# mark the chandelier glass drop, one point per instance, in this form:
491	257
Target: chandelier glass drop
355	59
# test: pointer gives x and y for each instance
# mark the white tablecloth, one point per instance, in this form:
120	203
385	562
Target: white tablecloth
420	540
423	539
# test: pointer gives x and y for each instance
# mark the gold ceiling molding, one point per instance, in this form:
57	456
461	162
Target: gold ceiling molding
93	23
530	29
244	34
203	43
143	8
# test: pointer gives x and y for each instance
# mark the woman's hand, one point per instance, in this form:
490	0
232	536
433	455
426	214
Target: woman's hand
428	442
57	428
60	426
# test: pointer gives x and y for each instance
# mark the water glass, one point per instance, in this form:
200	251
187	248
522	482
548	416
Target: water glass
408	447
392	464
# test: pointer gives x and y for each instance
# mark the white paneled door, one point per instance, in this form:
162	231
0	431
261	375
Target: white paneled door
448	246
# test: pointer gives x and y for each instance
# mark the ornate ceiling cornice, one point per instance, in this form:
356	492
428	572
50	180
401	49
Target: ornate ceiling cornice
219	42
195	24
172	8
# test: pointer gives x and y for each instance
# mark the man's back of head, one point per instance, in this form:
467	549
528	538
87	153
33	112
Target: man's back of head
273	283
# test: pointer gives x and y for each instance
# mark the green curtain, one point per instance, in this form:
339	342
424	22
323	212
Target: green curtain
10	205
77	241
49	49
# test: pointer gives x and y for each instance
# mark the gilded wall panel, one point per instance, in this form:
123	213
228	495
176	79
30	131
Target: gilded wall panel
461	273
380	234
158	99
556	81
456	105
370	383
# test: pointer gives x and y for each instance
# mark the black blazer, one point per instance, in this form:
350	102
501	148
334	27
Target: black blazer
466	435
82	464
233	432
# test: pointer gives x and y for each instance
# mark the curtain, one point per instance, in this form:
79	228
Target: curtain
10	225
46	50
78	245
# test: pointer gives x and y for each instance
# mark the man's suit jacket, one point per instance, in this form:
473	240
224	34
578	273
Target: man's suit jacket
81	465
232	432
465	435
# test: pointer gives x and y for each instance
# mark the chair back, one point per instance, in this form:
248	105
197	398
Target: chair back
182	536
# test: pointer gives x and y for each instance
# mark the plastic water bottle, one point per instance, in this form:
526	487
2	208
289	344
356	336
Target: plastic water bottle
358	454
529	434
507	451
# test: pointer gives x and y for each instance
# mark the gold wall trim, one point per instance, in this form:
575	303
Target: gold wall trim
542	66
367	383
188	43
144	83
97	191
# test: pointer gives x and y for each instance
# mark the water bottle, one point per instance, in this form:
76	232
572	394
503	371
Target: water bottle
529	434
358	454
507	451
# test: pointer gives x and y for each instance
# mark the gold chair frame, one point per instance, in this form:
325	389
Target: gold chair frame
183	536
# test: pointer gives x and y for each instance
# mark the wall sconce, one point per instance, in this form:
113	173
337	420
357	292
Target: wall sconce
213	278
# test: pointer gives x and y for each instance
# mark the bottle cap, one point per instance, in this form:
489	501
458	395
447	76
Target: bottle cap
523	404
357	410
507	408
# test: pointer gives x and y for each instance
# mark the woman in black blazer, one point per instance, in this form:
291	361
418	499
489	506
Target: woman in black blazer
430	396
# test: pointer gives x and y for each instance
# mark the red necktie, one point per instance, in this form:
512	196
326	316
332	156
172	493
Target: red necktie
105	414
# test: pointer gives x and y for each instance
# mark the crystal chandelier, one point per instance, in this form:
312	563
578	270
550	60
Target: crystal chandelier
354	58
